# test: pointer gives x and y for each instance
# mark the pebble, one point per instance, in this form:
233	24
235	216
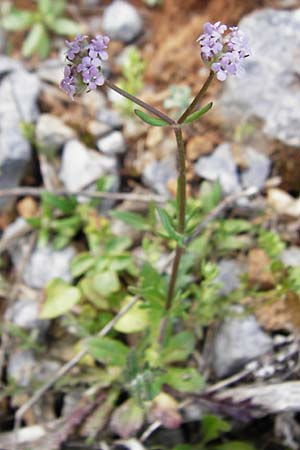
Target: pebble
18	96
122	21
258	169
270	90
81	166
112	144
156	175
291	257
52	133
20	367
220	166
238	340
229	275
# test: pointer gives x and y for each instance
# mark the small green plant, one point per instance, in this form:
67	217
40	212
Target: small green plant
213	431
133	69
47	18
179	98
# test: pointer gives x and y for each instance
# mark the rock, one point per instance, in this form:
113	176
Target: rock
122	21
20	367
8	64
110	117
134	129
156	174
52	133
270	90
112	144
291	257
46	263
229	275
51	70
237	342
95	101
97	128
18	96
219	166
2	41
283	203
258	169
81	166
25	314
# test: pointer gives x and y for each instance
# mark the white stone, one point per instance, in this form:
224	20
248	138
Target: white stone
122	21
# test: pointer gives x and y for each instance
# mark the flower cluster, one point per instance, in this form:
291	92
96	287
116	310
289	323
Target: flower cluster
84	69
224	49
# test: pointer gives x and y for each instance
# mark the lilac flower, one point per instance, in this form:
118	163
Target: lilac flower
97	47
92	77
68	82
237	41
84	69
211	40
74	47
224	50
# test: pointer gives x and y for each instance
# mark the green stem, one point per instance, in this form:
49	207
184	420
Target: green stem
181	228
139	102
195	103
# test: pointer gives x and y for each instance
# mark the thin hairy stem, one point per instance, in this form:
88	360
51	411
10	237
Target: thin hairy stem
180	228
139	102
195	103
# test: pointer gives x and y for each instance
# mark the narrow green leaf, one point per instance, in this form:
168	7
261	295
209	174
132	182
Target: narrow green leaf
154	121
168	225
60	298
65	204
197	114
136	221
65	26
108	351
234	445
34	40
212	427
17	20
45	6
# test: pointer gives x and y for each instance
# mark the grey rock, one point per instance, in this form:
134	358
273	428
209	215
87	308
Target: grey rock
51	70
258	169
219	166
97	128
270	90
229	275
291	257
20	367
156	174
25	314
81	166
8	64
122	21
52	133
110	117
46	263
238	340
112	144
2	41
18	95
95	102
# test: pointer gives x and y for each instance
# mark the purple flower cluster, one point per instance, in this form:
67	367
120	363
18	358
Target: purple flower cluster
84	69
224	49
